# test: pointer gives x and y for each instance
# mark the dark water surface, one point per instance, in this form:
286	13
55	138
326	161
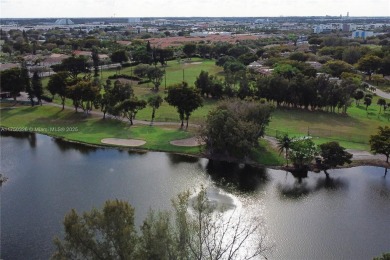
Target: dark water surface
344	217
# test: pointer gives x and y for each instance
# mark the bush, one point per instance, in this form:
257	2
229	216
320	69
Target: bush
117	76
129	64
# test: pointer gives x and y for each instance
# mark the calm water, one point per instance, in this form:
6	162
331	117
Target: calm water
345	217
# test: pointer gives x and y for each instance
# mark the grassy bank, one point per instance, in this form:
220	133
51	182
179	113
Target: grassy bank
92	129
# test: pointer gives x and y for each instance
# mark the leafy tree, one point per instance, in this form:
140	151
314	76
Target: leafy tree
155	102
12	81
367	101
380	143
204	50
155	75
114	95
27	83
58	84
119	56
284	143
384	256
233	66
37	88
130	107
100	234
358	95
333	155
352	55
298	56
337	67
110	233
84	95
369	64
141	70
234	127
185	99
73	65
203	83
302	152
95	60
247	58
381	102
286	70
189	49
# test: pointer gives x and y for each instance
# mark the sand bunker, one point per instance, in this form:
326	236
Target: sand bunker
123	142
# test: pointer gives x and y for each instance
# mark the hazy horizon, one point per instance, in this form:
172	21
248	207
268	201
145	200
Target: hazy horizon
188	8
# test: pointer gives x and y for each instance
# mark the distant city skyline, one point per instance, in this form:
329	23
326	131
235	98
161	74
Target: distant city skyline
190	8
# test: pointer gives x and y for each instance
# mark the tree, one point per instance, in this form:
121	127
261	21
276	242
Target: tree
358	95
100	234
337	67
155	75
203	83
95	60
234	127
381	102
302	152
84	95
155	102
13	81
367	101
119	56
110	233
284	143
73	65
380	142
26	79
58	84
37	88
185	99
189	49
333	155
369	64
114	95
285	70
130	107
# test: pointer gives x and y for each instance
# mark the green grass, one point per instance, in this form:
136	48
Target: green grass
78	127
266	155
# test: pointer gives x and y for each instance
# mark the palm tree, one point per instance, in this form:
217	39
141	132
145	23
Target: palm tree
381	102
284	143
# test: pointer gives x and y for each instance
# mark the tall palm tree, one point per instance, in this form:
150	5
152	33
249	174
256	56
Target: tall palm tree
284	143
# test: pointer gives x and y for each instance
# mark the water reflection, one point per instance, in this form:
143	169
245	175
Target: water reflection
301	187
65	146
31	137
177	159
244	178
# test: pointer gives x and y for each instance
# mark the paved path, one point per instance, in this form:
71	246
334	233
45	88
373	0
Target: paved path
379	92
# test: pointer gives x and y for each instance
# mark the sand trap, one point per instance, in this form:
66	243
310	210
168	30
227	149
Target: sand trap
189	142
123	142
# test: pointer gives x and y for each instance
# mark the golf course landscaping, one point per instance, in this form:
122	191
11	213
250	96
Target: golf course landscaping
351	130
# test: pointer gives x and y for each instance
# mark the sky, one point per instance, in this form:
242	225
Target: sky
188	8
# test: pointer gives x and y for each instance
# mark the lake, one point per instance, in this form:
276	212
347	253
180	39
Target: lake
344	217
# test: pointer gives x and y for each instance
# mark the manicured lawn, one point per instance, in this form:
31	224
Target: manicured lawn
78	127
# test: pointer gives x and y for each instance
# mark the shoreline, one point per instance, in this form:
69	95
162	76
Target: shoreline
355	163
